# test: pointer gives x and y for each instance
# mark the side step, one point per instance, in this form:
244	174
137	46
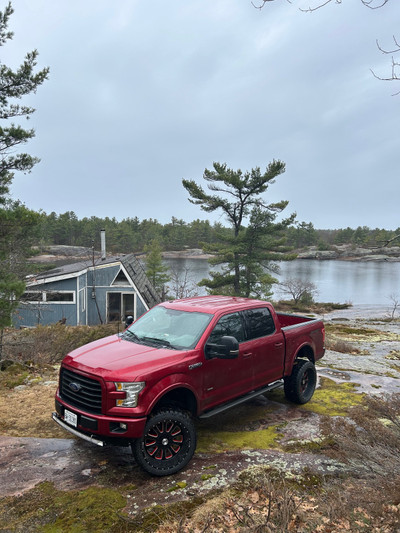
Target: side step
242	399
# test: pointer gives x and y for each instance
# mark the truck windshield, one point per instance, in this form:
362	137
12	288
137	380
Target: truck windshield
170	328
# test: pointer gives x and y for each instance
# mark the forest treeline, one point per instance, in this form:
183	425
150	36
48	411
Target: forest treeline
132	235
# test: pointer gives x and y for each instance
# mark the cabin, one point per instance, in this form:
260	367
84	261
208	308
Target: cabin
98	291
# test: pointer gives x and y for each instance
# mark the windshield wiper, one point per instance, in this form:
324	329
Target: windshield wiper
134	337
158	342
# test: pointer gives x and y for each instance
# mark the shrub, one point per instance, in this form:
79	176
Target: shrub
49	344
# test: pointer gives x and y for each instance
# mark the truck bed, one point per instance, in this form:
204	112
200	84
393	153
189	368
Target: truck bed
286	320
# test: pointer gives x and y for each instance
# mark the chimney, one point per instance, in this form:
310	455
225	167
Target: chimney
103	244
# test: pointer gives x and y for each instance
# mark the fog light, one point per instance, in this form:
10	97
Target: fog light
123	426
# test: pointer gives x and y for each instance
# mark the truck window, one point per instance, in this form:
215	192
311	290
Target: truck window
231	325
259	323
181	329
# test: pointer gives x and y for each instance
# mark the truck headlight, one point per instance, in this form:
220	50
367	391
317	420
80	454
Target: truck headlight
131	390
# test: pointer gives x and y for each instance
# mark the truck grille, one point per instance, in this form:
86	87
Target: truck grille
80	391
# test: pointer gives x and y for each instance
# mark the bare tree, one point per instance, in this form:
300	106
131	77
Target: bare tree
370	4
395	71
182	285
395	299
298	289
387	242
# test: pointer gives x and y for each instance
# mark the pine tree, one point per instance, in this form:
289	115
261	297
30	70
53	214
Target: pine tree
155	270
247	252
13	86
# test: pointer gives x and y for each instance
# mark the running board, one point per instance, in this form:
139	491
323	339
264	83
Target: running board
242	399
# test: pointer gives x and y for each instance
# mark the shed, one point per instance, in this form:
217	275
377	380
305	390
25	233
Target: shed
87	293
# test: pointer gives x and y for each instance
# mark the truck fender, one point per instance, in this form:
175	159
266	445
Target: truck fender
166	386
304	351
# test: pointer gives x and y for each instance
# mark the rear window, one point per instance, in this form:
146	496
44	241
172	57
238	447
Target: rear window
259	323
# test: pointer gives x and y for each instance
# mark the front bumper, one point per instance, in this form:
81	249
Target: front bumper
75	432
99	429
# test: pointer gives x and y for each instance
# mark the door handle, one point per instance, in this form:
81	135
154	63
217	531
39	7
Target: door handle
245	355
278	344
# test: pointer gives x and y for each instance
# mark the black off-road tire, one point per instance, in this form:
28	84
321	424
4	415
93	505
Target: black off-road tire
300	385
168	442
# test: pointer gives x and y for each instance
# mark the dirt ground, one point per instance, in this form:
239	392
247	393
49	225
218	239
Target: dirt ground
34	450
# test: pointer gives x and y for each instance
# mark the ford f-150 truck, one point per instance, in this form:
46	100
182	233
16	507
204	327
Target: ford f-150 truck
184	359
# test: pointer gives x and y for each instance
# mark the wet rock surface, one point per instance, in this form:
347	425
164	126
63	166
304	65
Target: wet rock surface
73	464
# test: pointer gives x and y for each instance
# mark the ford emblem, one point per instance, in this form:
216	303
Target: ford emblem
74	386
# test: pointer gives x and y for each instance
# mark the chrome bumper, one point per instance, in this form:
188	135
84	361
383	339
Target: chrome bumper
75	432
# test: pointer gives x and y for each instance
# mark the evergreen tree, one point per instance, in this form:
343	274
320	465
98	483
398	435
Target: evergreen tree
156	271
13	86
246	253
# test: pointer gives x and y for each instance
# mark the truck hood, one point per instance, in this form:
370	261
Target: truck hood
114	358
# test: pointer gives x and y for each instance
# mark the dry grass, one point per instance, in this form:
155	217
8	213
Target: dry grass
368	500
49	344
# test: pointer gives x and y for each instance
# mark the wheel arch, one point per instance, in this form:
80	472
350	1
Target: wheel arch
305	352
178	397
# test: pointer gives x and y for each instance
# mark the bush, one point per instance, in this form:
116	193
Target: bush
49	344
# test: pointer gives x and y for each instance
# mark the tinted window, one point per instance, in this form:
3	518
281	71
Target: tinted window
231	325
259	323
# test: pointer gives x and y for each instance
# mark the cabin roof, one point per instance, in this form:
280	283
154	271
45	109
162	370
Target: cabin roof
130	262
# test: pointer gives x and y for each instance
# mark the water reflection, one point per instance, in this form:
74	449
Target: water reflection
337	281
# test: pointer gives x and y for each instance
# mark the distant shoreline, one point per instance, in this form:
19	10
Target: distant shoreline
57	254
337	253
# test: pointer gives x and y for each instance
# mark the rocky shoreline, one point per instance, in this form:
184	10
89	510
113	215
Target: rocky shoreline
344	252
347	252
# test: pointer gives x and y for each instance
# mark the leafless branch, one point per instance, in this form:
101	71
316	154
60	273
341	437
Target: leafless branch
371	4
397	49
388	241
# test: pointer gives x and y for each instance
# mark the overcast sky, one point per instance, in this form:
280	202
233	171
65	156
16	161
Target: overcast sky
144	93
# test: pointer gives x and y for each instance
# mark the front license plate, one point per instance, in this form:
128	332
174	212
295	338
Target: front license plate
70	418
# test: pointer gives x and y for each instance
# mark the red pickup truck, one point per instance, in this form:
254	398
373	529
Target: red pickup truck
183	359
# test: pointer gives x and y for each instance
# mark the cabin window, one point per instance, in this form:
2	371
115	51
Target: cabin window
32	296
54	297
121	279
59	296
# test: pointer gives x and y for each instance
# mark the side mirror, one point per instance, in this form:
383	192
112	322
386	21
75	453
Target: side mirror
128	321
227	348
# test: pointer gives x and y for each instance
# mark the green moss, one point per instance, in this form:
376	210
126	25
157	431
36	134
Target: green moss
359	334
205	477
13	375
178	486
152	518
48	510
221	441
334	399
393	355
263	477
331	398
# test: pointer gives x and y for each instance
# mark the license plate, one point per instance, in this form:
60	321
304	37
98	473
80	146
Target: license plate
70	418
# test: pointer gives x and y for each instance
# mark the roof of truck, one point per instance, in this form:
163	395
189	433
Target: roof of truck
213	304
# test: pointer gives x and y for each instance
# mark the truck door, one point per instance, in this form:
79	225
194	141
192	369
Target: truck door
266	346
224	379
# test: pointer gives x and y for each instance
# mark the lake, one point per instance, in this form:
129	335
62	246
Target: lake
356	282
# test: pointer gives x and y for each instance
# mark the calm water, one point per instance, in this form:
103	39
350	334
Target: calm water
360	283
